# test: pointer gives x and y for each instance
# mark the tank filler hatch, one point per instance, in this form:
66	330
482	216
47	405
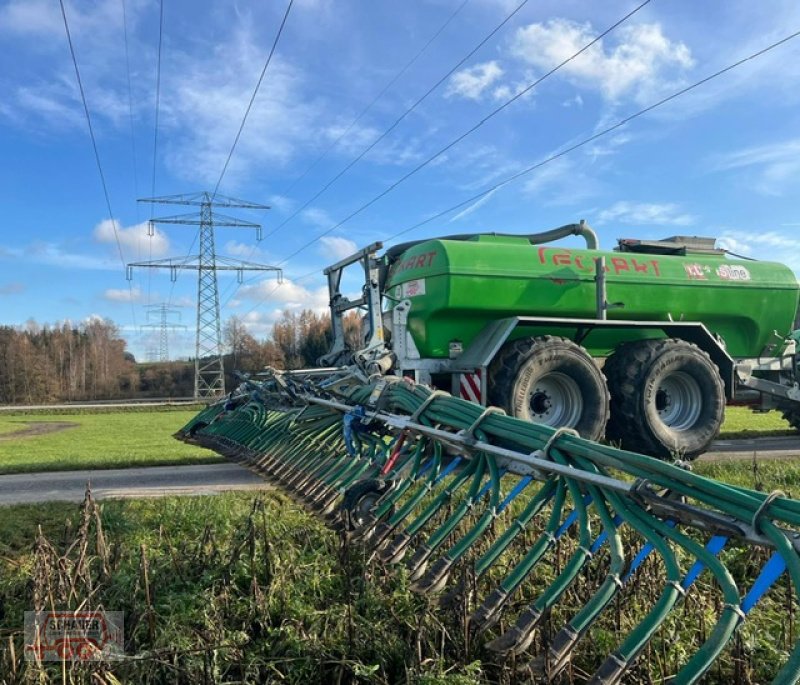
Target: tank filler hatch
675	245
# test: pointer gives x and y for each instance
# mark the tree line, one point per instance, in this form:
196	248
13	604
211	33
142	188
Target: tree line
68	362
64	363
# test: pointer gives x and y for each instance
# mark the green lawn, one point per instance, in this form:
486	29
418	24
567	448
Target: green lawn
252	589
761	474
100	440
243	589
741	422
115	439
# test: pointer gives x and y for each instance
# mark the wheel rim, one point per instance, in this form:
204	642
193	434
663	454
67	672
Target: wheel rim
679	401
556	400
364	506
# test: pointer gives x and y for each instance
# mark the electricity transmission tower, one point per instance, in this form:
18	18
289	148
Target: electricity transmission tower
209	376
164	326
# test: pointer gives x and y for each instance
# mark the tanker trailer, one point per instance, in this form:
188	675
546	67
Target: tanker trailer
642	344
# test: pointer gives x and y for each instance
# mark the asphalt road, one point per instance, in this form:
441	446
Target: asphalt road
156	481
783	447
209	479
104	404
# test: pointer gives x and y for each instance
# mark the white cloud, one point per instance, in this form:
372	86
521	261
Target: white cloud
30	17
184	301
204	101
563	182
646	213
335	247
749	242
506	91
483	165
317	217
769	245
51	102
123	295
281	203
351	140
472	82
52	254
134	239
475	205
289	294
775	167
608	146
42	19
735	241
246	251
50	106
643	60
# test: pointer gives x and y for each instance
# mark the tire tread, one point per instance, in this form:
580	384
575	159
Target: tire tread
625	372
505	366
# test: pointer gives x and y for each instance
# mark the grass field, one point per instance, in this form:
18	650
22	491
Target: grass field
143	437
238	593
99	440
741	422
252	590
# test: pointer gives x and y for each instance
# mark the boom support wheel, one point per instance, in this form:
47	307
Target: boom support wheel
667	398
360	500
551	381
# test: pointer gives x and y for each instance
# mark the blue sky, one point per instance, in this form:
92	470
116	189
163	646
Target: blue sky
721	161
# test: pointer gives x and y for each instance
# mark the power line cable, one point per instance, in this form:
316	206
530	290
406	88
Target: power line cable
610	129
253	97
235	284
466	133
132	127
244	119
151	230
130	109
96	153
242	125
399	119
383	92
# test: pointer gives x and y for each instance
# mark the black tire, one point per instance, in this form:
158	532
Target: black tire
791	414
613	370
667	398
359	502
552	381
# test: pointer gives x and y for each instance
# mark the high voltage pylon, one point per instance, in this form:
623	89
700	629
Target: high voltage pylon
163	311
209	376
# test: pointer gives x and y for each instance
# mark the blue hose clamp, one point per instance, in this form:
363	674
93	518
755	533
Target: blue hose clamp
351	425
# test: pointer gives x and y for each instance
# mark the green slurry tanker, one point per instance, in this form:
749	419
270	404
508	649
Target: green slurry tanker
643	344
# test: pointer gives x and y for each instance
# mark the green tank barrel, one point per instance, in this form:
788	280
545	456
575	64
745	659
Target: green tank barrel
456	287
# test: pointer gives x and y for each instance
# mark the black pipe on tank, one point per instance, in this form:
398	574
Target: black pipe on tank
582	229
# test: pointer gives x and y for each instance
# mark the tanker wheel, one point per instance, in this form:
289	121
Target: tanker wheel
550	381
359	502
667	398
791	414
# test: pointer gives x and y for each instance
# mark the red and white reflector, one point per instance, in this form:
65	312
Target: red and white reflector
470	387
